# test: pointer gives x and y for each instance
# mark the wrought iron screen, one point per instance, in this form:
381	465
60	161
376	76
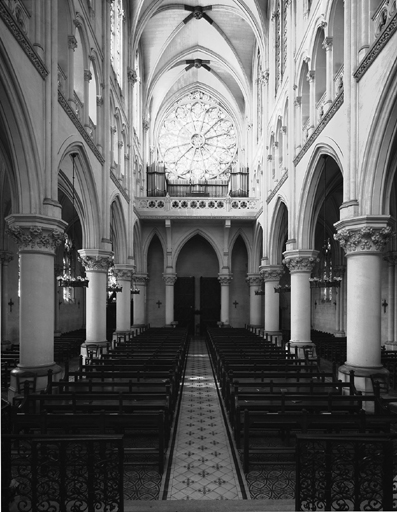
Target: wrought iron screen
341	472
62	473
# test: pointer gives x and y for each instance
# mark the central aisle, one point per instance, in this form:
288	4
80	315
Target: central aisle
203	466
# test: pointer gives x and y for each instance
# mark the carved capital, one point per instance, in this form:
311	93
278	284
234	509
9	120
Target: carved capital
6	257
141	279
169	279
327	43
43	236
87	75
269	273
99	101
96	261
225	279
310	76
298	101
263	77
146	124
122	274
364	239
132	76
300	261
72	43
254	280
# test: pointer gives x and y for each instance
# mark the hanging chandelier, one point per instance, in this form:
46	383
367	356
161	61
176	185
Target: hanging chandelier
69	278
134	289
324	277
113	284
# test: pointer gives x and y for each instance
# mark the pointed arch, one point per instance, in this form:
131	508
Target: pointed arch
154	232
248	246
118	230
279	231
180	244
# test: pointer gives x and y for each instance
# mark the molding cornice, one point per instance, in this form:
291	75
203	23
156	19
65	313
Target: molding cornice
376	48
75	120
23	41
320	127
119	186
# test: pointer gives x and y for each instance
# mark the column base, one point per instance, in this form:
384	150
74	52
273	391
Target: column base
102	348
390	345
302	349
20	374
362	380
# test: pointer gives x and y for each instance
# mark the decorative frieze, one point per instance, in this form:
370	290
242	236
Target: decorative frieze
17	31
365	239
36	237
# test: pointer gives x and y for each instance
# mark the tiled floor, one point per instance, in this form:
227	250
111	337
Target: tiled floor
203	466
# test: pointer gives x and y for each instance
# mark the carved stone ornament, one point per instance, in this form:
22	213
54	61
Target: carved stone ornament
72	42
146	124
140	280
254	280
310	76
365	239
301	264
96	263
264	77
6	257
122	274
99	101
271	274
87	75
169	279
36	237
225	280
327	43
132	76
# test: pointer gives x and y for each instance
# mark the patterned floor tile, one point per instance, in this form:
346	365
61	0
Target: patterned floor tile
201	446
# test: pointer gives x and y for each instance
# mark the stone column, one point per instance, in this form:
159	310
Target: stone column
391	259
363	239
255	283
37	236
225	279
123	274
327	45
86	113
140	300
5	258
271	275
72	45
312	102
169	280
340	303
298	123
96	263
300	264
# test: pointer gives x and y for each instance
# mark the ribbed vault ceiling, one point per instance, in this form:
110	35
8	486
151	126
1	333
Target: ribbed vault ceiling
187	43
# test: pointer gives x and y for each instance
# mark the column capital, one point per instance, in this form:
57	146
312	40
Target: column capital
6	257
271	272
36	232
94	260
367	234
254	279
141	279
123	272
300	260
132	76
169	279
225	279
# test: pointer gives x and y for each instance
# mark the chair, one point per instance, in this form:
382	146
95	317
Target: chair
30	378
93	350
381	381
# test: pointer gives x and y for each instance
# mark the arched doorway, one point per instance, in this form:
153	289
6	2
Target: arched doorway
197	300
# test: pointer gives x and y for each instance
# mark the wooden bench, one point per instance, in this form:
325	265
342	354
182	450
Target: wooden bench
304	422
129	425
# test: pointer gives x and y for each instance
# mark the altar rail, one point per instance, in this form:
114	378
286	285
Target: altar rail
343	472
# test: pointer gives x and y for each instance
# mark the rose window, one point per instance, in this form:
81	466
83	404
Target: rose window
197	140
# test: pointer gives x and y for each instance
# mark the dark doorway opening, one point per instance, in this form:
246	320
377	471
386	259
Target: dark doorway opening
210	302
184	302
